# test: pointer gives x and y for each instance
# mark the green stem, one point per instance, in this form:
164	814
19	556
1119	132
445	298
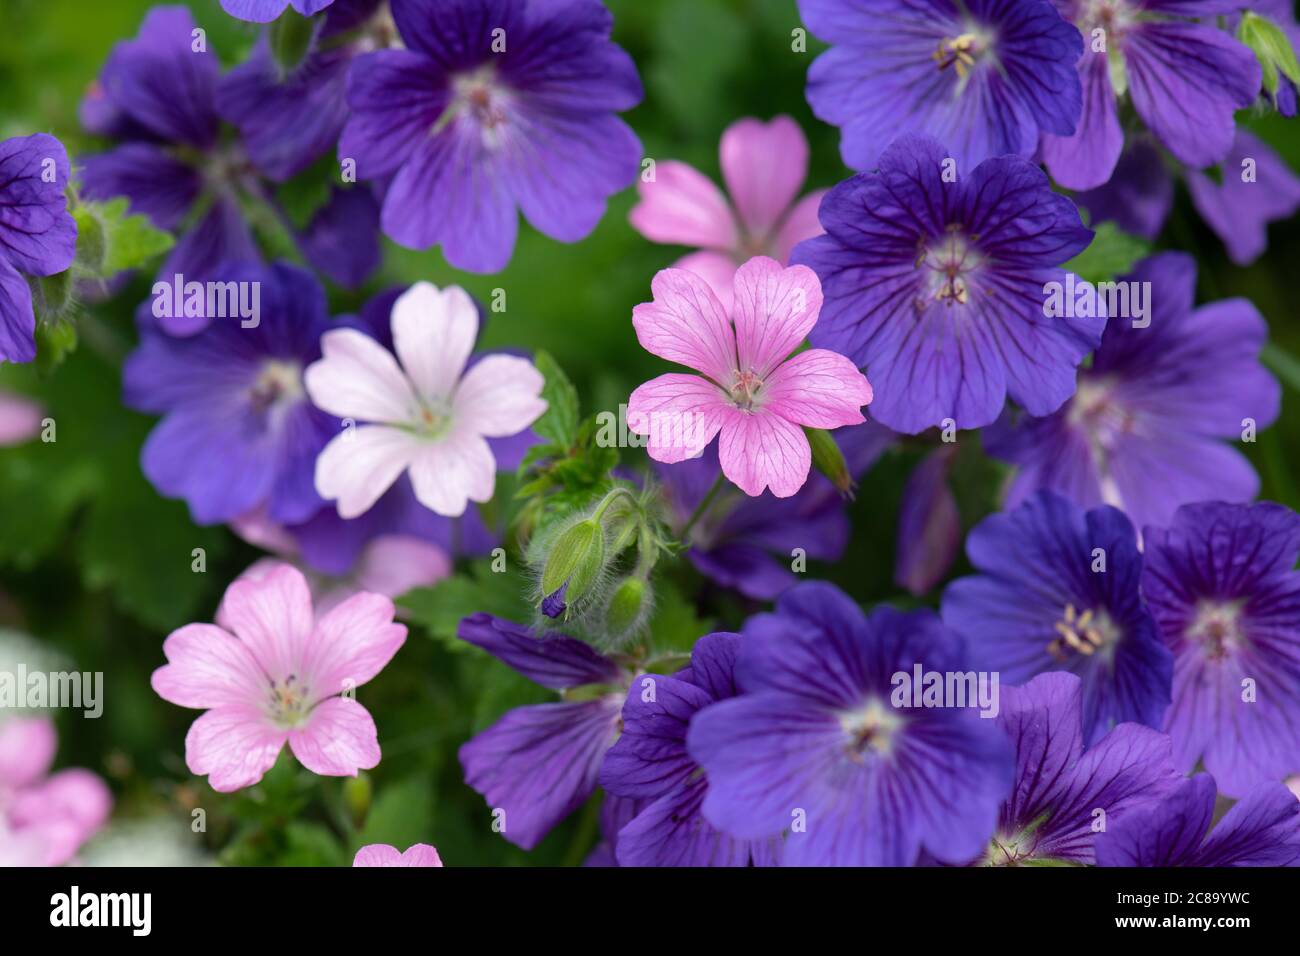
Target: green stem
702	507
1286	365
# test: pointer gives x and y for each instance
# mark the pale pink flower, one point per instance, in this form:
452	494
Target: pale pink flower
764	166
429	415
381	854
753	393
270	672
44	817
20	419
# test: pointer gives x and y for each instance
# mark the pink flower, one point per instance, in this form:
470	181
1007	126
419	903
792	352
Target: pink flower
753	394
381	854
764	165
270	671
429	415
20	419
44	818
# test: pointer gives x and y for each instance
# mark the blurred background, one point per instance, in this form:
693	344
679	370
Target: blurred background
97	566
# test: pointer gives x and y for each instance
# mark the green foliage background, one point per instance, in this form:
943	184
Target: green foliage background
94	562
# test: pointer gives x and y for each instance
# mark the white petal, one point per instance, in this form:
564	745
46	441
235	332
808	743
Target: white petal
360	464
499	396
434	332
359	378
453	472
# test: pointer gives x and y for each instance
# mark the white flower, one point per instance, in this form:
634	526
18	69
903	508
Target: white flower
427	415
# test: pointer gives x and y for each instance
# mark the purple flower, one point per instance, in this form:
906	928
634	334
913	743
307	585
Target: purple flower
264	11
747	543
538	764
158	94
815	746
936	286
1063	792
38	237
238	431
494	107
1185	81
984	76
1058	590
1222	585
1262	829
650	763
289	118
1145	431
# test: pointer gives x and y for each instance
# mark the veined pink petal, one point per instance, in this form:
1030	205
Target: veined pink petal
358	378
360	464
434	332
233	747
801	223
684	207
764	164
818	388
716	268
207	667
272	616
27	748
450	473
381	854
776	306
338	739
686	324
680	414
20	419
499	396
759	450
350	645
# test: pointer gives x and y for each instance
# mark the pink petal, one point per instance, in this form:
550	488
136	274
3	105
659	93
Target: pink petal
393	564
338	739
233	747
801	223
351	644
358	378
206	667
716	268
20	419
683	207
377	854
434	332
818	388
686	324
764	165
448	474
680	414
272	615
76	797
257	528
360	464
759	450
499	396
27	748
776	307
421	854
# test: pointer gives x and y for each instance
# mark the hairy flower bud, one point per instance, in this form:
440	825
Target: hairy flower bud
573	566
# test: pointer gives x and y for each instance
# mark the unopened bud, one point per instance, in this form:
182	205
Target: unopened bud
829	460
357	792
573	566
626	606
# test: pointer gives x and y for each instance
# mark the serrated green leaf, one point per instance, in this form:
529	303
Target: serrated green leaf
559	423
118	240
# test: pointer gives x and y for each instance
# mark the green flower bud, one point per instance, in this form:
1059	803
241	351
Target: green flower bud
573	567
357	792
829	460
1271	47
626	606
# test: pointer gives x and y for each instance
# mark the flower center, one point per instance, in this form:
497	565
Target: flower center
1083	633
479	98
963	51
1104	422
949	261
278	381
289	700
434	418
1217	628
870	731
745	388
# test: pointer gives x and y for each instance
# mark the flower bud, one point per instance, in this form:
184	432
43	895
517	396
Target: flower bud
573	566
357	792
829	460
626	607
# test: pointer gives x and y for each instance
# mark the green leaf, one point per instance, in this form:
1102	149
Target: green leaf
1110	254
439	608
1271	47
402	814
115	240
675	625
559	423
311	844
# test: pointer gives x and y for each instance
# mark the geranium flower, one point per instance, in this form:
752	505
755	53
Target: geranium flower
751	392
763	165
428	416
271	672
382	854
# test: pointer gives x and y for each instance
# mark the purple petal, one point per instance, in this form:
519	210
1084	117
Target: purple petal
554	661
